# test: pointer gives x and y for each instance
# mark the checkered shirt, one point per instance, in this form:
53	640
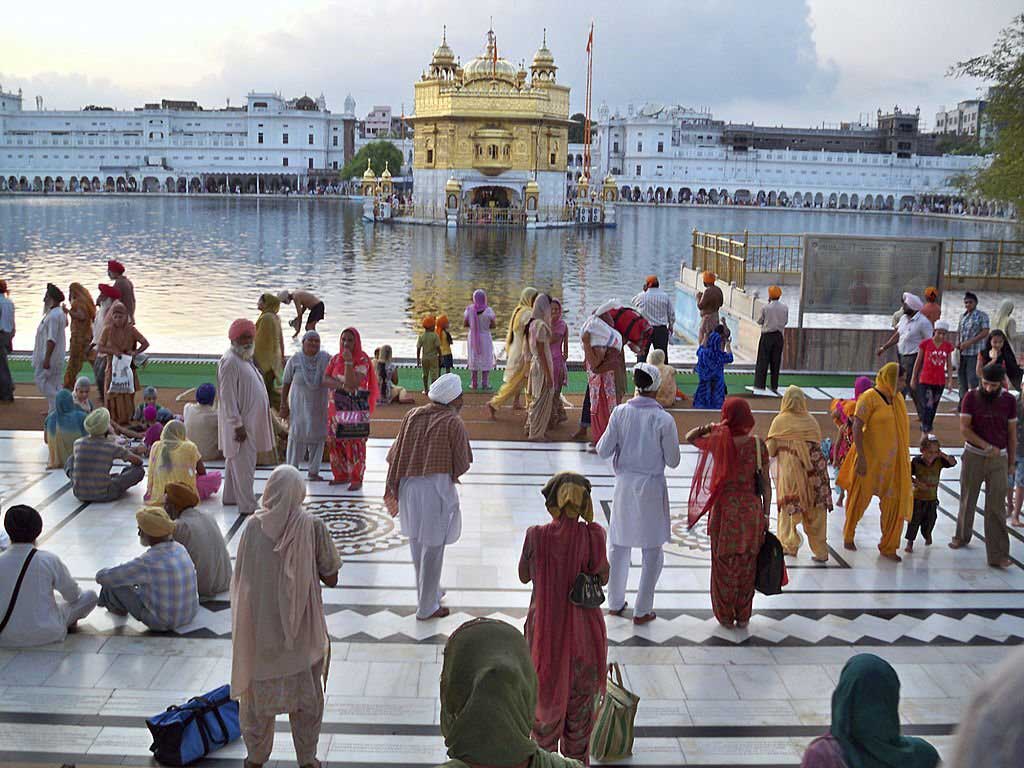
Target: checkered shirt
166	580
970	326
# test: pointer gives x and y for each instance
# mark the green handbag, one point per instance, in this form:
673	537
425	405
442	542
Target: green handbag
612	737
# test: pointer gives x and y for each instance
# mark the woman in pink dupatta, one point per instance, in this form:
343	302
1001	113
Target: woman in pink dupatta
568	643
280	649
480	319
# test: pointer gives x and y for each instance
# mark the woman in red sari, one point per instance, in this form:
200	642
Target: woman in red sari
725	485
568	643
352	376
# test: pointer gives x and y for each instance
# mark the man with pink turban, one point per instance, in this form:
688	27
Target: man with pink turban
243	416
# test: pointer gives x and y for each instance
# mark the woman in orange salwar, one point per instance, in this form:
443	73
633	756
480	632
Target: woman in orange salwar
353	377
568	643
83	312
878	464
726	486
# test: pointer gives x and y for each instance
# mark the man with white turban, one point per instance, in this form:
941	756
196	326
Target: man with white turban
425	462
243	416
912	329
642	441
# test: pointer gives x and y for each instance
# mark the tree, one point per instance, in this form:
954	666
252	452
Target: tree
378	153
1003	180
576	129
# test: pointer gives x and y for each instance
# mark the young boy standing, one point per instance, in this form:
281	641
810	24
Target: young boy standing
925	470
428	352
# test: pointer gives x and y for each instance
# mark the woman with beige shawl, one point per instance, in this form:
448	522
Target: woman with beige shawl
517	366
280	649
800	469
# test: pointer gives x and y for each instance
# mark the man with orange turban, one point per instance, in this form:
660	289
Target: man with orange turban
428	352
931	309
655	305
773	319
243	416
709	301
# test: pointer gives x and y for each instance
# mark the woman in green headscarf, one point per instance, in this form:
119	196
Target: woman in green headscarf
568	643
488	697
269	354
865	730
517	365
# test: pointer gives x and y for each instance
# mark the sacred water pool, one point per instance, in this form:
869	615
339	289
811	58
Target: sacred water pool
199	262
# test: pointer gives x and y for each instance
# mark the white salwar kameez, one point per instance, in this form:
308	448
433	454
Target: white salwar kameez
241	402
642	440
307	414
50	380
428	508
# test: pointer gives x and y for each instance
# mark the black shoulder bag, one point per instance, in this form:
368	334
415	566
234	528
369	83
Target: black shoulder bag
17	589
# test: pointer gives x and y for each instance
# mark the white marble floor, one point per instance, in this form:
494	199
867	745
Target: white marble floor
708	696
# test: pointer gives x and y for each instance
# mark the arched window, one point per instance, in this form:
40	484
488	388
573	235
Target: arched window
492	151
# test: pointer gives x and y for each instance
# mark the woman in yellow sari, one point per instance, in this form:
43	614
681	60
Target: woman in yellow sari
517	364
803	493
269	355
878	464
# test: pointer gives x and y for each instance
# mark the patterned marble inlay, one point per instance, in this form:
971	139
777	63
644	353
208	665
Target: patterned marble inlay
358	526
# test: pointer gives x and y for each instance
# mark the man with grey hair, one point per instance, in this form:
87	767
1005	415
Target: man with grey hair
425	462
642	441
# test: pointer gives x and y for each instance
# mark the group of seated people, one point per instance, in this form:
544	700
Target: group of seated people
185	558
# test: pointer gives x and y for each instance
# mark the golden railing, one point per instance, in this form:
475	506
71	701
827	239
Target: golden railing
725	255
493	217
782	254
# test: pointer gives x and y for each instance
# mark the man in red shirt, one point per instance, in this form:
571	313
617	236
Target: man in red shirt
988	423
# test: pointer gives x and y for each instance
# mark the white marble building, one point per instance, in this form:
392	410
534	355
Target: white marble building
268	144
676	154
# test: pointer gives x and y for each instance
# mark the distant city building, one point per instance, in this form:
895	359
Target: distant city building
675	153
378	122
966	119
176	146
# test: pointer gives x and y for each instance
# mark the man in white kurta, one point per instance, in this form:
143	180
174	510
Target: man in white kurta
50	343
642	441
243	417
427	458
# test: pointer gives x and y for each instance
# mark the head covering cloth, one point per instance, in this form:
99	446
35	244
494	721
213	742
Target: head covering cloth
97	423
314	366
23	523
1001	317
359	358
81	299
83	381
66	422
268	350
913	302
651	370
795	427
568	494
442	322
445	388
241	327
54	294
717	456
429	322
520	314
866	719
154	522
149	391
774	292
1007	358
931	293
474	313
115	266
651	282
942	325
709	277
149	413
172	447
489	696
206	393
181	495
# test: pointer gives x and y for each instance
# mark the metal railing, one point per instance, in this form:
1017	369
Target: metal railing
782	254
493	217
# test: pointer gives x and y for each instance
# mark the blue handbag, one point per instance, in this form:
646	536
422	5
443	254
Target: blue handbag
182	735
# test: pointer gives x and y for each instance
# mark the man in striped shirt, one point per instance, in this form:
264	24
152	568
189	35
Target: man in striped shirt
89	465
157	588
656	305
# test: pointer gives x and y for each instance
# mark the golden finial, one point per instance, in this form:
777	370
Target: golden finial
545	43
444	34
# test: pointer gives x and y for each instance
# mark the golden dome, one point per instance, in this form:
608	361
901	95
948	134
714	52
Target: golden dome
453	185
443	55
387	171
487	67
368	174
543	59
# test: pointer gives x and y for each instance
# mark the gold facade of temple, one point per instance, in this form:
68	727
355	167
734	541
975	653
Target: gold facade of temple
490	116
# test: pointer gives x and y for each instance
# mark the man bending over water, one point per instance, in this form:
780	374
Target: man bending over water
304	300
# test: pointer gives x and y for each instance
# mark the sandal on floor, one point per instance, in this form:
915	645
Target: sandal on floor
618	612
638	620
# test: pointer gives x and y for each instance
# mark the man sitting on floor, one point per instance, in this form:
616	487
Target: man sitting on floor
157	588
89	465
201	423
36	617
201	537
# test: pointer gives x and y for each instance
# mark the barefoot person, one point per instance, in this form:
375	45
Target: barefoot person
425	462
878	463
304	302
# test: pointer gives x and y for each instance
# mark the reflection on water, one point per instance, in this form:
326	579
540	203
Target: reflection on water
198	263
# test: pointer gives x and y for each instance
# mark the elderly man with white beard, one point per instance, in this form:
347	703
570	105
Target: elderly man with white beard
425	462
243	416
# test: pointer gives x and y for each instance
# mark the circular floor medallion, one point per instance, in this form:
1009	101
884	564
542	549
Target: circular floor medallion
358	527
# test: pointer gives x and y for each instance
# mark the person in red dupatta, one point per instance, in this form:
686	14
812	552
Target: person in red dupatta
725	487
352	376
568	643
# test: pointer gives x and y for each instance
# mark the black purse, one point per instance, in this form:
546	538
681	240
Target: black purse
771	566
351	414
586	591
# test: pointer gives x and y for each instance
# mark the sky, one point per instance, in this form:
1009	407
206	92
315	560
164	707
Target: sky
793	62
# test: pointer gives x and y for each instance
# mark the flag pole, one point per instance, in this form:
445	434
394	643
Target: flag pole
586	116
